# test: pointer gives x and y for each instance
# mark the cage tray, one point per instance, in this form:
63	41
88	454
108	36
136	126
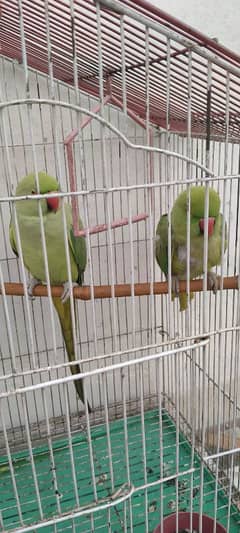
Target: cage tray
144	506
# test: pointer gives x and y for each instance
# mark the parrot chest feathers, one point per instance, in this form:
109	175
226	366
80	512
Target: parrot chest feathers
182	255
179	263
32	248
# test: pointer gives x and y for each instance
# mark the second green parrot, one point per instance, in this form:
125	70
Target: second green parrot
179	238
27	213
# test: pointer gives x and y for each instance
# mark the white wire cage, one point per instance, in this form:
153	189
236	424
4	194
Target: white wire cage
145	107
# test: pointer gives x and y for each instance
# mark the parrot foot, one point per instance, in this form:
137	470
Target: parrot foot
212	280
30	286
175	285
66	291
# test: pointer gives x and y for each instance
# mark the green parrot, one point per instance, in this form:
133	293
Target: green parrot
27	212
179	239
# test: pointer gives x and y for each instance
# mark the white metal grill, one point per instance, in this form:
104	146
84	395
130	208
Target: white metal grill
151	110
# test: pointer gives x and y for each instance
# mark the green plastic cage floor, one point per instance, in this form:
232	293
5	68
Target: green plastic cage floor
143	506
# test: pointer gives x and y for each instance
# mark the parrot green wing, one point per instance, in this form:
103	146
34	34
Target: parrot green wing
162	256
12	239
79	250
161	249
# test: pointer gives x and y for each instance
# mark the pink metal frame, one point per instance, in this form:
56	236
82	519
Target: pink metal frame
68	142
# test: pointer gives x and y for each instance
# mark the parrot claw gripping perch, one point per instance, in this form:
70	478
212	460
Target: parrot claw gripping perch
175	285
67	290
30	286
212	280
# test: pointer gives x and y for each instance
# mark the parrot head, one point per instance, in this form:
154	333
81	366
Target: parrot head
28	186
197	210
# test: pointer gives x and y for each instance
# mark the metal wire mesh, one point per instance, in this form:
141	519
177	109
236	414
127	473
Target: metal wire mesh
163	385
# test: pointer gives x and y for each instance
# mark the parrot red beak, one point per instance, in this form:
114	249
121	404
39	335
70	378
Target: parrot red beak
211	222
53	203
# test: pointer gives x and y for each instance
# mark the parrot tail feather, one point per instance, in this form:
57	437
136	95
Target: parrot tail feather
65	318
183	299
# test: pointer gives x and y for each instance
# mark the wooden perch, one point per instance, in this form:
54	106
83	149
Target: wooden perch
120	291
115	224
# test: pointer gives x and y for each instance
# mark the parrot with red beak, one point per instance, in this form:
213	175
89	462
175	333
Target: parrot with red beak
198	225
27	212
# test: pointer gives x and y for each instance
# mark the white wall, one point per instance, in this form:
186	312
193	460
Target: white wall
215	19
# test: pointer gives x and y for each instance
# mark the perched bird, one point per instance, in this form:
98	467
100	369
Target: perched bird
179	239
27	212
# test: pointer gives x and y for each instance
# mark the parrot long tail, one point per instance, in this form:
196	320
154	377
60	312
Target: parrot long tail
64	314
183	299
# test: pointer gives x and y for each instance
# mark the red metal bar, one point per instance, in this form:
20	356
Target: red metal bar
179	83
85	13
67	18
72	174
157	99
130	112
62	35
70	138
177	125
55	64
180	96
68	35
58	18
95	110
133	66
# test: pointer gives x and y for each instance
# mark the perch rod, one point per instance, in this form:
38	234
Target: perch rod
121	290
